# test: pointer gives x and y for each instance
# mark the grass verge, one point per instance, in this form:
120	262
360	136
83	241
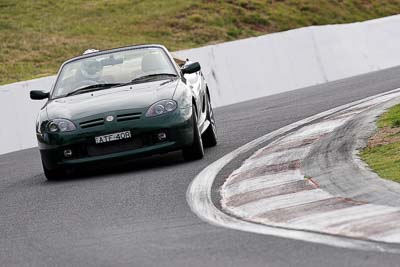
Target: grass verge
383	151
37	36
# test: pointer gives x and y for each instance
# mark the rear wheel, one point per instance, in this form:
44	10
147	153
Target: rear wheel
210	137
54	174
196	150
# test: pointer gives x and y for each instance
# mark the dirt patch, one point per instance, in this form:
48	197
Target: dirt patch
385	136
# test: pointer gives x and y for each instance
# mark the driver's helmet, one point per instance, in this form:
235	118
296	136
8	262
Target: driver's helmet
91	69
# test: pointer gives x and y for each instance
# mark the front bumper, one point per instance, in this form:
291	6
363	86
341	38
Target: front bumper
144	142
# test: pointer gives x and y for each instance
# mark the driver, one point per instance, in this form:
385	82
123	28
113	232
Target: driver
88	72
91	69
85	73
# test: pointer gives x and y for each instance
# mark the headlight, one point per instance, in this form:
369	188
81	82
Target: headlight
60	125
161	107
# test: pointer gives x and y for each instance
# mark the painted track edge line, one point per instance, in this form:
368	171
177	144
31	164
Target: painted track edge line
199	199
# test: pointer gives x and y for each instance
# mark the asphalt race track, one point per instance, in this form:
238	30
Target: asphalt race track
135	214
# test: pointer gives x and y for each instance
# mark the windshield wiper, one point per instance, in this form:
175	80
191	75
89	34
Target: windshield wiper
93	87
150	76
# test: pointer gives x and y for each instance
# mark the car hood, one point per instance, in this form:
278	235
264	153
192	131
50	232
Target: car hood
137	96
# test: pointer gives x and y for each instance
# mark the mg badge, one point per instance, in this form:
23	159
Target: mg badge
109	118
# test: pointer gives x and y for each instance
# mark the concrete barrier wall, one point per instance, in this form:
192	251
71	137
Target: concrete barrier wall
17	130
279	62
246	69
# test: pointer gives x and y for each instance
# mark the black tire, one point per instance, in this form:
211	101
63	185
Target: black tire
55	174
210	136
196	150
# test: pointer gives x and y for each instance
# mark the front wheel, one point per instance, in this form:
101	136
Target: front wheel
196	150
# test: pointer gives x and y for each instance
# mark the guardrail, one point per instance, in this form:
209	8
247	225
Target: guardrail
245	69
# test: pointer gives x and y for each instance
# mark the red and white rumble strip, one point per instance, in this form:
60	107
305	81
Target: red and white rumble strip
271	190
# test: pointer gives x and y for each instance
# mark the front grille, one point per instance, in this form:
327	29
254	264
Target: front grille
100	121
128	116
91	123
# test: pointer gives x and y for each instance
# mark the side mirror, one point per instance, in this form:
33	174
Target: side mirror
191	68
39	95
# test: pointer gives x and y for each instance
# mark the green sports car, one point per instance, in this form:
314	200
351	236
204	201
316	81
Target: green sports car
123	103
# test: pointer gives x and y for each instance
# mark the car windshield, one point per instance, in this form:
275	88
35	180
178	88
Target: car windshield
112	69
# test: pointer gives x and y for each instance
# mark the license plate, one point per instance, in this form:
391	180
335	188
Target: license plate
113	137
